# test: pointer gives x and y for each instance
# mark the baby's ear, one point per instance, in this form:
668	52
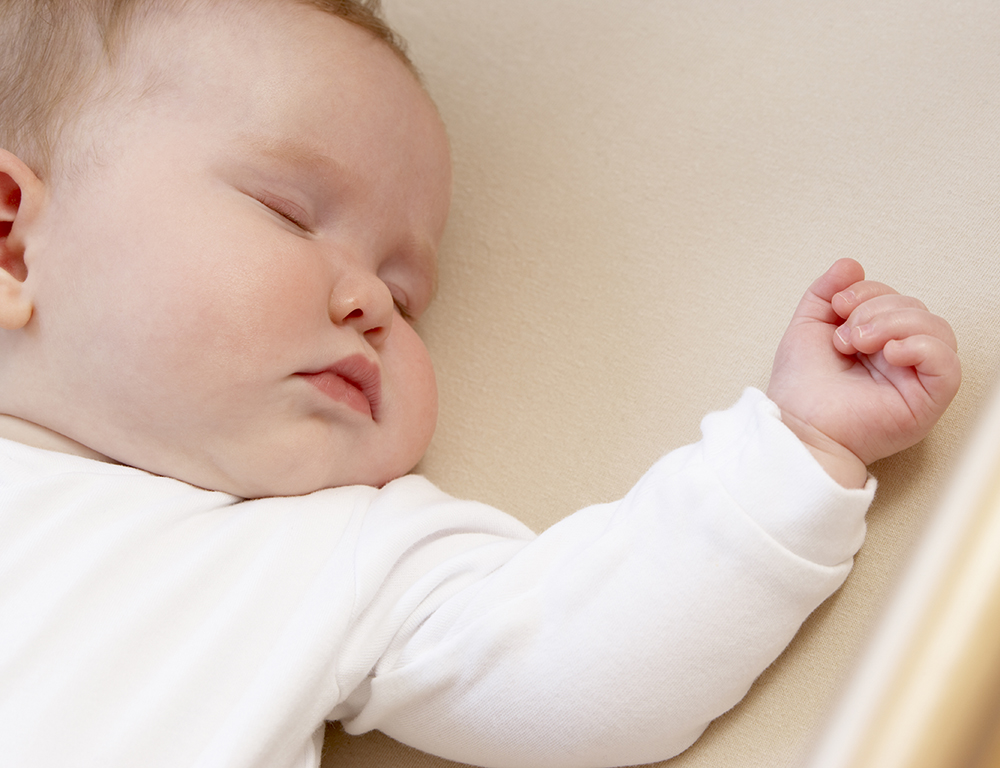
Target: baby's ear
21	194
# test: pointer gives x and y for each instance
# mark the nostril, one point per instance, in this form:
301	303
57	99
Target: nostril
355	314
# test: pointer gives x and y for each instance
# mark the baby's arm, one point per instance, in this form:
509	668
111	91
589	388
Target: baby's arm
619	633
862	372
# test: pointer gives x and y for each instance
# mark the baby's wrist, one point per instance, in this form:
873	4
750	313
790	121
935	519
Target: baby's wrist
838	462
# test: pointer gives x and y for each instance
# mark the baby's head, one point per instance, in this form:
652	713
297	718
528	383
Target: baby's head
216	226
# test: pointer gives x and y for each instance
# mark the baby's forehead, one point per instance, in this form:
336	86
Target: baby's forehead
67	65
149	15
163	38
155	47
268	70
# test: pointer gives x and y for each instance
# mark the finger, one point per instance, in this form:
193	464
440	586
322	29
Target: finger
936	364
843	274
897	324
848	300
871	310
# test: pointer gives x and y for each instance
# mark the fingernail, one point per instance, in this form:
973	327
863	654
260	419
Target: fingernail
849	296
844	333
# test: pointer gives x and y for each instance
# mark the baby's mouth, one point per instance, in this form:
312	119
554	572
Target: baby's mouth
354	381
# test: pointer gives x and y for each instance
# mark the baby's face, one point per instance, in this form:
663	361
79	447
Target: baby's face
222	290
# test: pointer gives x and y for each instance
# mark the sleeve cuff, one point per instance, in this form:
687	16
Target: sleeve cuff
774	478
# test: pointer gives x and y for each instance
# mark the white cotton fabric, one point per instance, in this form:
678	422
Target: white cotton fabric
147	622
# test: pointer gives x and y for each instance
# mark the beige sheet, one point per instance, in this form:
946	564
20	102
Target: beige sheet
643	190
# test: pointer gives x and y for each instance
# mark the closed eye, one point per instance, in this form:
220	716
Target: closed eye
291	213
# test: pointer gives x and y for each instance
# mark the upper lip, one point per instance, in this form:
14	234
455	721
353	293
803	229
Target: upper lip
362	373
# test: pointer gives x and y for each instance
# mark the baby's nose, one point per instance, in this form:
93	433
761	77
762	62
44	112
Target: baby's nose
363	302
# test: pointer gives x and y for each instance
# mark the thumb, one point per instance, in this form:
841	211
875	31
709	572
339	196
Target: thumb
816	303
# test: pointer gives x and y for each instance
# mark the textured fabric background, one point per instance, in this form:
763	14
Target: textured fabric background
643	190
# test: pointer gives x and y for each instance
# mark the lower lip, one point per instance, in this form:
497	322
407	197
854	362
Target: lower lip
337	388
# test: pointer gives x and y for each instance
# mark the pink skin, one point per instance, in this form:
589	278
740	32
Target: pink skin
862	372
225	294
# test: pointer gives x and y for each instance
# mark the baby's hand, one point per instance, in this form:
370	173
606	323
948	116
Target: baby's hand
860	390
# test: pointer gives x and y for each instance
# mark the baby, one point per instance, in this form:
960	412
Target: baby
218	222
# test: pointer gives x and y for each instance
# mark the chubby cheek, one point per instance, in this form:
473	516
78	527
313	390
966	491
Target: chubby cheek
229	314
414	388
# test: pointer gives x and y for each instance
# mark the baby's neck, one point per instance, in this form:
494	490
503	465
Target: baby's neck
37	436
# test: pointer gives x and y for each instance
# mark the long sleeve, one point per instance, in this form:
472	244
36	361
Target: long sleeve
616	636
147	622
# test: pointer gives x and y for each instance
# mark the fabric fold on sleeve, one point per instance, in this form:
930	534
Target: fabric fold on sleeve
810	514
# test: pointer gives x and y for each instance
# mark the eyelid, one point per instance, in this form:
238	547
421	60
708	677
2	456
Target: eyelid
285	209
409	283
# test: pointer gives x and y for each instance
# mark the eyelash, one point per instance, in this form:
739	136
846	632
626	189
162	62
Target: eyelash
283	211
403	311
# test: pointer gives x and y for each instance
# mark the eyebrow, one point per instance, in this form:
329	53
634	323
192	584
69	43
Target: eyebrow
307	158
296	153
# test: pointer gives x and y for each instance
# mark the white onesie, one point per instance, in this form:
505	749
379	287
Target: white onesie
145	622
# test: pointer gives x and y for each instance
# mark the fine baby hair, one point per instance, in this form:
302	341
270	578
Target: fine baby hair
60	58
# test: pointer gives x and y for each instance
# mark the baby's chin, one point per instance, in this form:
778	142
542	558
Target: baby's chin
281	471
289	463
285	488
299	480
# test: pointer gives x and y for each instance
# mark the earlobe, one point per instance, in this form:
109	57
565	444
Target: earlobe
20	199
15	307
